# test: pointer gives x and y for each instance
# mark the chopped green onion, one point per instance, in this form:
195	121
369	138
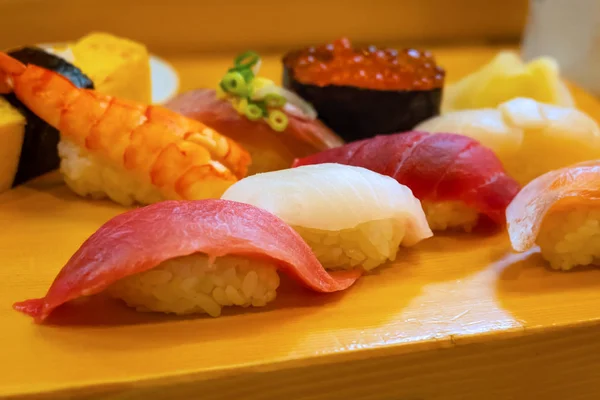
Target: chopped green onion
277	120
246	73
254	112
234	82
220	92
275	100
247	60
258	86
294	104
239	104
263	106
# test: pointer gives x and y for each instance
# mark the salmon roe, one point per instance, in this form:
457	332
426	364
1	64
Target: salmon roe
340	64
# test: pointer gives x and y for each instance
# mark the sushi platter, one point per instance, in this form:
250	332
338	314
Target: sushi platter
336	222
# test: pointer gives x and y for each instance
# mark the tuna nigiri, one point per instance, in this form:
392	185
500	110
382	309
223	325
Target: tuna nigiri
129	152
348	215
187	257
273	124
456	178
530	138
560	211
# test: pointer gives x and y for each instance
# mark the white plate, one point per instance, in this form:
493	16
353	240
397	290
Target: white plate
165	80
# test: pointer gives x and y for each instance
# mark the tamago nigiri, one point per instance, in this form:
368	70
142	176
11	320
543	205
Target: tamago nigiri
560	212
529	137
129	152
189	257
350	216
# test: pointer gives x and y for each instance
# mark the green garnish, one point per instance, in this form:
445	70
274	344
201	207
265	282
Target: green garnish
246	60
254	112
277	120
260	83
234	82
275	100
254	97
240	104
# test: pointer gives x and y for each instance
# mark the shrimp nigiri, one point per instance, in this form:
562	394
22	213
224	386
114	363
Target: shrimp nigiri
456	178
189	257
129	152
560	212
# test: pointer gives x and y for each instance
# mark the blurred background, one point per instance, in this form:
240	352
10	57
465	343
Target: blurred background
182	30
186	26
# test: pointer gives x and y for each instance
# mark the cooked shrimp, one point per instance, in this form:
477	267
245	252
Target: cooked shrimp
130	152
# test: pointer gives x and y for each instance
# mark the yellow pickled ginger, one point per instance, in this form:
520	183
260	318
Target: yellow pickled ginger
507	77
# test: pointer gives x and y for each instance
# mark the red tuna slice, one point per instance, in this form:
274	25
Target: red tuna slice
139	240
270	150
436	167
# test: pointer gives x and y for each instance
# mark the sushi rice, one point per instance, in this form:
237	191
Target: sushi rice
193	285
367	245
571	238
90	176
450	215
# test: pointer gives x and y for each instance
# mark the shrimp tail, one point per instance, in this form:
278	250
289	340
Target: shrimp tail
9	67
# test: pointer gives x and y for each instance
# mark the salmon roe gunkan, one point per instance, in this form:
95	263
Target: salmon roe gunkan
341	64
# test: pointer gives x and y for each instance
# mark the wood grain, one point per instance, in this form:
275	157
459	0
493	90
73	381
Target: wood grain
456	317
176	26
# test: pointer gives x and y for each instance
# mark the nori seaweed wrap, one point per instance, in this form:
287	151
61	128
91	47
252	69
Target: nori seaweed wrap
363	92
39	153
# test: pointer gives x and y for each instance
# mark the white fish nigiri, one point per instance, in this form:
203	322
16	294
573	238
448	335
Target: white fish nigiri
530	138
348	215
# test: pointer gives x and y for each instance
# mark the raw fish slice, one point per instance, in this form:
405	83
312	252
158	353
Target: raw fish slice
349	215
389	155
416	170
564	189
331	197
270	150
139	240
439	169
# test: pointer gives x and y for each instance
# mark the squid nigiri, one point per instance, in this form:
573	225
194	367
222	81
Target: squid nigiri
530	138
187	257
348	215
129	152
560	212
272	123
456	178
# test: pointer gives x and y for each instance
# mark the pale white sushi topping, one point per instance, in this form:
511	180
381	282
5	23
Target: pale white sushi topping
348	215
192	285
571	238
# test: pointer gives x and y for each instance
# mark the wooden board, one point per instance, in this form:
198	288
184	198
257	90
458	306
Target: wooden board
457	317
